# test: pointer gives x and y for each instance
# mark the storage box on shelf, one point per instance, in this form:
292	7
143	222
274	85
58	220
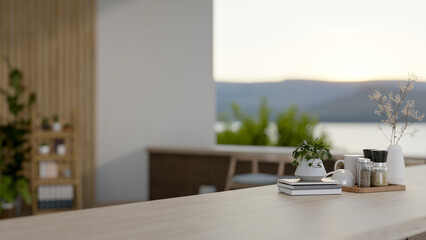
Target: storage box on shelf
55	171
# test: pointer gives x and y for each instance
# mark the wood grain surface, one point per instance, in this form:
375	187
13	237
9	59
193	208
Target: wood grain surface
256	213
391	187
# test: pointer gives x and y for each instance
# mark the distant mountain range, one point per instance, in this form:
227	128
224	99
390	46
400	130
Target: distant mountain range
329	101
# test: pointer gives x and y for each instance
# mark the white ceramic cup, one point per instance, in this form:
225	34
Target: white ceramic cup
345	177
350	162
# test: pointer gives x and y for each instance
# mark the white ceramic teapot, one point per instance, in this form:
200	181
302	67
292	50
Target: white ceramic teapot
345	177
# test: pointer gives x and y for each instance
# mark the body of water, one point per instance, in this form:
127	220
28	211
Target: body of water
353	137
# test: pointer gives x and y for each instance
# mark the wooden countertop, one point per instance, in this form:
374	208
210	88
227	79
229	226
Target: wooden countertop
256	213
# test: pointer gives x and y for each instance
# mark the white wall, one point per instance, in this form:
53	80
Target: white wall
154	87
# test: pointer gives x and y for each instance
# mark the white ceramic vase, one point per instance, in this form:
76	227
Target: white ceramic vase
310	173
396	165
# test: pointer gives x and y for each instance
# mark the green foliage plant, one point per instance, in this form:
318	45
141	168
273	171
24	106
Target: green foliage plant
45	124
308	151
293	127
67	126
14	139
251	131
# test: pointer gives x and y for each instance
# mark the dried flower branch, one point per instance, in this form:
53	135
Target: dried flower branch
392	106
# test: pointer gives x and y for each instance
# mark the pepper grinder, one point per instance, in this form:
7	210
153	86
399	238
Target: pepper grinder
379	171
367	153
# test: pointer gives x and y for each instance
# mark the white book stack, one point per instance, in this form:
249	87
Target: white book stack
55	196
48	169
296	187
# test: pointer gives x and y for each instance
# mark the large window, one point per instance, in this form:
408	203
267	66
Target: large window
347	44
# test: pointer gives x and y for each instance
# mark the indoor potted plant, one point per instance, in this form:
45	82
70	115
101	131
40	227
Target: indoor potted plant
10	189
45	125
56	126
308	158
44	148
67	127
14	141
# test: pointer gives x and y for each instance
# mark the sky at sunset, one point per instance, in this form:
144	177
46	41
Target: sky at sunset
330	40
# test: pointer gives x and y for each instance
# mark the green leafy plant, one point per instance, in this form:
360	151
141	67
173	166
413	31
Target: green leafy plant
45	124
67	127
308	151
251	131
14	133
292	126
55	118
10	189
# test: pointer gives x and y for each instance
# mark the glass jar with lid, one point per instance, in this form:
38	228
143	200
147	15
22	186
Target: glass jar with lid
379	171
364	172
379	174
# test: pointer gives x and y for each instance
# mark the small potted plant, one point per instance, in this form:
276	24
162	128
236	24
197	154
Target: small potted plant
56	126
45	125
10	189
67	127
308	158
44	148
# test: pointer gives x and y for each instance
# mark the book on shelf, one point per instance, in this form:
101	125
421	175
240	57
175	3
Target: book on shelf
48	169
55	196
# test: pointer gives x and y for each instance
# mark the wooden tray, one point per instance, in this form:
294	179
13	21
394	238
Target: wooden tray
391	187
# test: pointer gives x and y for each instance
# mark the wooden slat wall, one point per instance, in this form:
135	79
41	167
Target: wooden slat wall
52	42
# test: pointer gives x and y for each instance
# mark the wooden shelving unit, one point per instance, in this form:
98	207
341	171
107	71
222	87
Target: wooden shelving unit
68	167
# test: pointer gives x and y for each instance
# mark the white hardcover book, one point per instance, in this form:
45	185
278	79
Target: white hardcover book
41	192
61	192
71	191
68	192
42	169
52	189
300	187
46	194
52	169
58	192
295	182
51	192
310	191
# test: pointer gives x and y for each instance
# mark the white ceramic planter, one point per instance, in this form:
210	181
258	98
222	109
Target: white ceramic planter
307	173
44	150
57	127
396	165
